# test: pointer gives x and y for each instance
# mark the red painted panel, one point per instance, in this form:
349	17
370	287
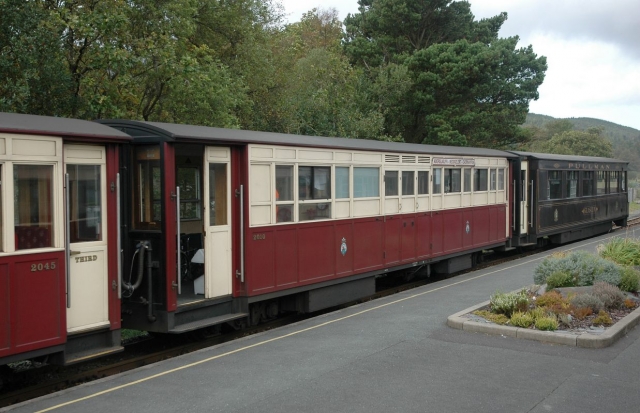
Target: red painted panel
467	235
368	244
316	258
502	222
408	239
493	228
480	226
423	235
344	261
169	227
5	326
392	233
260	274
437	233
38	301
285	241
454	230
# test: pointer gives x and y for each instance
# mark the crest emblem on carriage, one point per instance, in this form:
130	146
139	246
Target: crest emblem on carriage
343	247
555	215
467	228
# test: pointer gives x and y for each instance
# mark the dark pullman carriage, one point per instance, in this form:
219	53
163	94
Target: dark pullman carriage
274	222
566	198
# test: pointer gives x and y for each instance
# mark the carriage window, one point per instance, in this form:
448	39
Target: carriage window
33	206
391	183
452	180
423	182
554	185
437	181
480	179
85	204
314	182
614	177
284	193
148	191
467	179
189	183
572	184
587	183
623	184
500	179
342	182
602	183
217	194
366	182
408	183
492	179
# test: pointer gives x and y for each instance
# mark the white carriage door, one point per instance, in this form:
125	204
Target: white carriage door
88	305
217	193
524	197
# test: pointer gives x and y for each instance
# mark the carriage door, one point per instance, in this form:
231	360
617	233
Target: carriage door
88	305
217	221
524	197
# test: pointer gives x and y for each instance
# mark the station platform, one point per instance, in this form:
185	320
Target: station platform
394	354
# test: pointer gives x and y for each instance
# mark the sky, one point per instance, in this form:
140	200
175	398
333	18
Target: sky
592	49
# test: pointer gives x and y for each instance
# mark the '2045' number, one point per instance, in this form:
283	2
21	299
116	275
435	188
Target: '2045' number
43	266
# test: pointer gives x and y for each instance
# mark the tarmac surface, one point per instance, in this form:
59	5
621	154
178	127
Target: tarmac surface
394	354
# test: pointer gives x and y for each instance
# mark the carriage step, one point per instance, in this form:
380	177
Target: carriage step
91	354
207	322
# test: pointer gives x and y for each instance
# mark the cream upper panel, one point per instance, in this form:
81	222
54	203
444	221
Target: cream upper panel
30	147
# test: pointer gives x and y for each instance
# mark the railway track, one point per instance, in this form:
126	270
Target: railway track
40	380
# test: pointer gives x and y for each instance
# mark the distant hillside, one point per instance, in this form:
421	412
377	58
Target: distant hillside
625	140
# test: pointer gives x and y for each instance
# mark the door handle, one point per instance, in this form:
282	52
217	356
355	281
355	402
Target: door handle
75	253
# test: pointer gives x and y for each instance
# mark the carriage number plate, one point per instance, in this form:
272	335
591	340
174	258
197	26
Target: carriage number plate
43	266
259	236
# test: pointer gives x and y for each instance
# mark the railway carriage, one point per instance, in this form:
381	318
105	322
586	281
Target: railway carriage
292	223
58	243
562	198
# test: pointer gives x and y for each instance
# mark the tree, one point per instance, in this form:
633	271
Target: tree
585	143
464	85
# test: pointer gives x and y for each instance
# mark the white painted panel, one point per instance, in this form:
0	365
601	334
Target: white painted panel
89	298
258	152
315	155
391	206
289	154
492	198
482	162
3	146
408	205
436	202
342	209
480	198
365	208
260	214
34	147
423	203
452	201
260	183
84	154
218	260
466	199
215	153
367	157
343	156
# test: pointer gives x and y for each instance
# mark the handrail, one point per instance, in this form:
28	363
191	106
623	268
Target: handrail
178	244
67	240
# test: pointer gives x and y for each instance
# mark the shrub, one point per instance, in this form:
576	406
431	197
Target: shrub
629	279
629	303
582	312
603	319
494	318
549	323
583	267
520	319
589	301
537	313
611	296
508	303
559	279
550	299
624	251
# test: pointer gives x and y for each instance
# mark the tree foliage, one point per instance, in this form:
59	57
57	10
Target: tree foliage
464	85
573	142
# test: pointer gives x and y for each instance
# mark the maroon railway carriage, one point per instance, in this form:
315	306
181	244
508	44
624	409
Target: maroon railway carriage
229	225
58	239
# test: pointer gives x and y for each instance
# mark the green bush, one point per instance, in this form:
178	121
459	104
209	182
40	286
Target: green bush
494	318
520	319
624	251
559	279
629	280
611	296
583	267
549	323
508	303
587	301
537	313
